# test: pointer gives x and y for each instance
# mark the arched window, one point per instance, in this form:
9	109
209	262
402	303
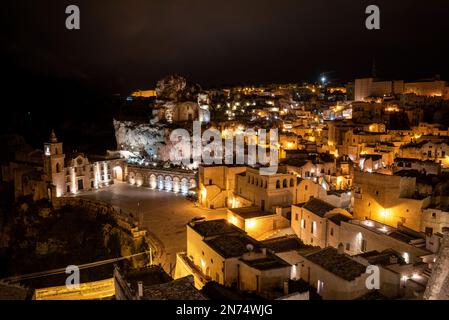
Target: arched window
284	183
292	183
278	184
58	168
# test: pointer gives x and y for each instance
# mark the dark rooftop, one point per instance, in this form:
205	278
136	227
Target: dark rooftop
318	207
250	212
338	264
386	257
213	228
179	289
232	245
284	244
268	262
338	218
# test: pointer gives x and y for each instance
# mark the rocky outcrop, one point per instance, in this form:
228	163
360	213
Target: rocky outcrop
176	88
438	285
139	137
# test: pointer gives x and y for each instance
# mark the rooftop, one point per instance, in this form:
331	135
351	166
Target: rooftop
386	257
338	264
179	289
318	207
338	218
211	228
284	244
250	212
232	245
268	262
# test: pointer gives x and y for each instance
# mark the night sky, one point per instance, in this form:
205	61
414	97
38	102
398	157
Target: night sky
123	45
59	78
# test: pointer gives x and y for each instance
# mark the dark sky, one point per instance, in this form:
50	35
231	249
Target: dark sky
123	45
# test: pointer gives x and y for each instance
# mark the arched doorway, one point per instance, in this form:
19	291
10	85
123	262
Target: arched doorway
118	173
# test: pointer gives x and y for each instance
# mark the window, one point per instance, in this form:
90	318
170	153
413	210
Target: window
292	182
303	223
434	215
278	184
296	217
332	232
363	245
313	227
306	187
210	181
284	183
320	287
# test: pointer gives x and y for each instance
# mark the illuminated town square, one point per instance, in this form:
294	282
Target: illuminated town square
169	152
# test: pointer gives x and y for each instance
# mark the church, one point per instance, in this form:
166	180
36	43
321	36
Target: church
57	175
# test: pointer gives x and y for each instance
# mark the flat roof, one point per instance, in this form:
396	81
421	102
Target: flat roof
211	228
338	264
232	245
250	212
318	207
179	289
338	218
284	244
268	262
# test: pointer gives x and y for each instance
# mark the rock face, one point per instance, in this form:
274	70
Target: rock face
147	136
438	285
176	89
139	137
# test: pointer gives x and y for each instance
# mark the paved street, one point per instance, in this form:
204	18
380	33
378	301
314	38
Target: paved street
164	214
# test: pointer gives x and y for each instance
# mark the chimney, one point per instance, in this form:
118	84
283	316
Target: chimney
140	288
341	249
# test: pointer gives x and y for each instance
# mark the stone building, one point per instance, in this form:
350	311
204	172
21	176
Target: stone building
267	192
217	185
219	251
71	175
390	199
317	222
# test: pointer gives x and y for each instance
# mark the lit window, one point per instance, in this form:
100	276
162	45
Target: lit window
313	227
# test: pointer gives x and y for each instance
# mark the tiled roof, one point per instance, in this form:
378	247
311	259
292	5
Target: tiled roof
232	245
338	264
213	228
318	207
179	289
284	244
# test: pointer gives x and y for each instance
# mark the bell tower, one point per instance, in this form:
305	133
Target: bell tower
54	164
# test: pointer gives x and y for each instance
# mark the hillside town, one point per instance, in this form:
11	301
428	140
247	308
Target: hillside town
361	181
